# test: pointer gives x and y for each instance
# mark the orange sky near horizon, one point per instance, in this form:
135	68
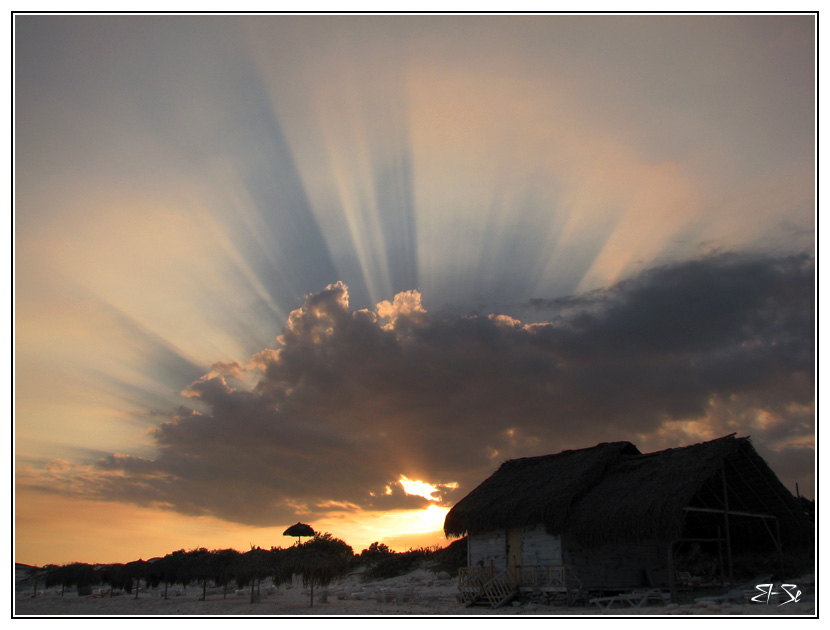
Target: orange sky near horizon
99	532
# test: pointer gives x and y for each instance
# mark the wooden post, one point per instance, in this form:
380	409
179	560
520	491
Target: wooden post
726	523
720	557
780	550
671	571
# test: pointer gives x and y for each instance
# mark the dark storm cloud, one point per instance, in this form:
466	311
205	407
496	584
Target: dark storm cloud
351	400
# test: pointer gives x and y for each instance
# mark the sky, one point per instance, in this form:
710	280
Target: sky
337	269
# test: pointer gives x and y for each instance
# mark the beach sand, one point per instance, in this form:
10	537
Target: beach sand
420	593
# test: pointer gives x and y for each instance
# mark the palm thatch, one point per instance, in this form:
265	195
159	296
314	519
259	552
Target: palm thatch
299	529
645	497
319	561
612	493
534	490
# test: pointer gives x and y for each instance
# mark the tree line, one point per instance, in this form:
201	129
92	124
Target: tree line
318	562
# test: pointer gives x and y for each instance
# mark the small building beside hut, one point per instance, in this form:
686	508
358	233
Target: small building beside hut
612	518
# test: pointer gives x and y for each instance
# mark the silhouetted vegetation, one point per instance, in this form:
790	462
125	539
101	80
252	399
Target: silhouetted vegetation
320	560
382	563
376	552
78	574
451	558
257	564
136	570
116	576
317	562
224	568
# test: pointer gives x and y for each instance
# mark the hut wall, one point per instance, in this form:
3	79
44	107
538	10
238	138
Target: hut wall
539	547
617	566
486	547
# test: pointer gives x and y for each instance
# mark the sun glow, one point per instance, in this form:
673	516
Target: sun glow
430	519
419	488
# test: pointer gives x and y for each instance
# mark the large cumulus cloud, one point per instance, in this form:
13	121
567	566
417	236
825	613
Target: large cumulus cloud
349	400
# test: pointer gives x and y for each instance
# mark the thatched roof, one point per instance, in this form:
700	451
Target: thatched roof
534	490
299	529
613	493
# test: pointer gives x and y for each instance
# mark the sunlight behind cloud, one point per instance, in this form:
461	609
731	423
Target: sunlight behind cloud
193	195
402	522
419	488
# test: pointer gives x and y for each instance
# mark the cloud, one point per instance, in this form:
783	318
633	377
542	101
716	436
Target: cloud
351	401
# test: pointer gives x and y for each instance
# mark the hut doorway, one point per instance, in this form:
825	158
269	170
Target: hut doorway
514	549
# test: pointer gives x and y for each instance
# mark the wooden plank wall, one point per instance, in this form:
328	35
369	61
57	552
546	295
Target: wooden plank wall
539	547
486	547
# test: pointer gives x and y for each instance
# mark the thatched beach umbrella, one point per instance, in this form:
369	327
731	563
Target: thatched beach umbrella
319	561
250	567
78	574
223	568
298	530
136	569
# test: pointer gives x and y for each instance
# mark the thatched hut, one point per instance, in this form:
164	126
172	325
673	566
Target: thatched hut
610	517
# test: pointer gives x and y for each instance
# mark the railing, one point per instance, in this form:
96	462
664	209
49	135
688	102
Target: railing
500	590
473	578
547	575
471	581
474	574
477	584
523	575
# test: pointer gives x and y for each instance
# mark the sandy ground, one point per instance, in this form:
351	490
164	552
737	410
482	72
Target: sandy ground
420	593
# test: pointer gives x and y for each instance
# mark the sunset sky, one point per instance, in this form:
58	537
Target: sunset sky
337	269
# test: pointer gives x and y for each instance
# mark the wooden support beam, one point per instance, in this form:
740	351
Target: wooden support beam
785	504
671	571
780	550
720	558
726	522
730	512
749	485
